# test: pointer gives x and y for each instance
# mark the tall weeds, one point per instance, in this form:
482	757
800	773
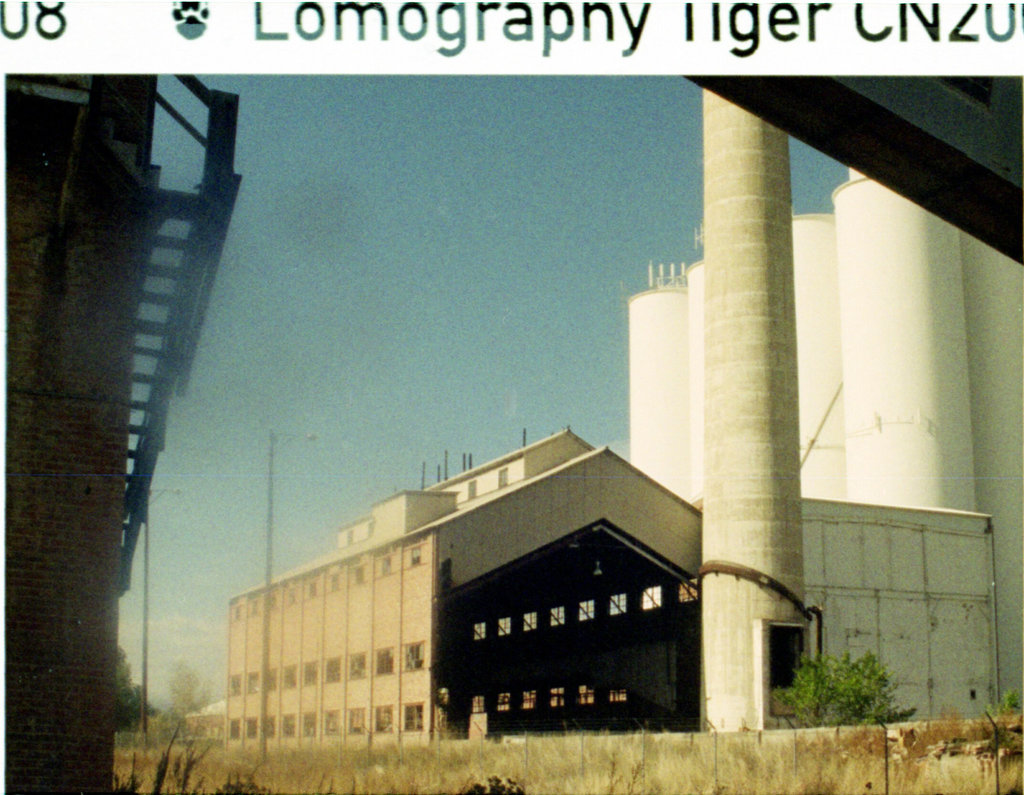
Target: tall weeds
834	762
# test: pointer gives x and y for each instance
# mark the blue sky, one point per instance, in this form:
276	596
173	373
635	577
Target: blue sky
414	265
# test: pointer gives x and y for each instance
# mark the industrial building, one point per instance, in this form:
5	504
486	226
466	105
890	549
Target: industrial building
354	637
108	276
909	388
558	585
841	397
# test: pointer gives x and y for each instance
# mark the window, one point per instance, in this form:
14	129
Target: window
585	695
651	598
357	720
617	604
254	610
238	612
312	589
382	719
331	722
271	680
385	661
236	684
557	697
289	677
385	566
272	599
529	621
332	670
268	727
504	626
335	582
357	665
252	728
617	696
504	702
252	683
478	705
557	616
586	610
415	556
288	726
309	674
688	591
309	724
529	699
413	717
480	630
360	575
236	729
414	656
471	489
291	596
502	477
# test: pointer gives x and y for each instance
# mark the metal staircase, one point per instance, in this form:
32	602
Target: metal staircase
184	237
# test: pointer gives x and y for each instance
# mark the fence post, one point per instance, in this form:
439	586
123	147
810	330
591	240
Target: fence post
526	755
643	758
995	743
581	751
885	750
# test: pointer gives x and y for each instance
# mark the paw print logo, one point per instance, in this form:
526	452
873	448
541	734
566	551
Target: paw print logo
191	18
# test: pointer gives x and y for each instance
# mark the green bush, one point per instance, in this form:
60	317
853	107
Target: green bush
838	691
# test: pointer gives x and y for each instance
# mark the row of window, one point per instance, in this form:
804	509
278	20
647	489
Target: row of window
414	659
383	721
384	567
584	696
618	603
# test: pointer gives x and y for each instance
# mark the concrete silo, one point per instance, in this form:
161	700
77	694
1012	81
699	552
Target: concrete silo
659	379
822	438
904	348
752	575
695	281
992	305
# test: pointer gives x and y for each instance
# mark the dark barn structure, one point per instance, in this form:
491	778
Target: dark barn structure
592	631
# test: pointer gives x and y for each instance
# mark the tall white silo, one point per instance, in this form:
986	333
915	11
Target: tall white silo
695	284
820	365
905	389
659	374
992	300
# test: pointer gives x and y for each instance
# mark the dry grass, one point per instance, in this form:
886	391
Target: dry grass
849	762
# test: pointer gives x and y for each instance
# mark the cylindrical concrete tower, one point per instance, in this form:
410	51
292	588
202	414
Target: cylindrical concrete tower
906	399
753	559
822	440
695	282
992	304
659	380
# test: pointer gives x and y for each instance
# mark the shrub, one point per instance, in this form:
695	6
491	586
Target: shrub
838	691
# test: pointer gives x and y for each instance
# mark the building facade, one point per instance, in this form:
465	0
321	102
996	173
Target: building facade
355	637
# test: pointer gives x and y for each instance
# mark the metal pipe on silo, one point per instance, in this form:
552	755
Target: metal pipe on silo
751	480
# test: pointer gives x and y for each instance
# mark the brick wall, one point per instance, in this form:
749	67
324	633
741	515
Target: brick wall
67	411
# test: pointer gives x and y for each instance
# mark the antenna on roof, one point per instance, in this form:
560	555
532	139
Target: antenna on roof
698	236
524	437
423	476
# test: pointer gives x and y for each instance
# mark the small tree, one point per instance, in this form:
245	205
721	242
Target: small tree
188	692
837	691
